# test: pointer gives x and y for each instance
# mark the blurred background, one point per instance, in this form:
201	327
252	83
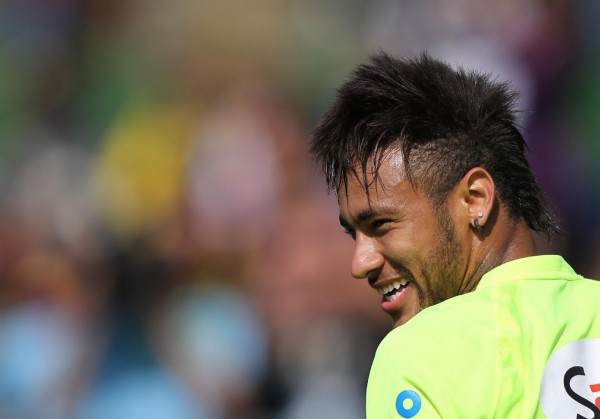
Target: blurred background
167	247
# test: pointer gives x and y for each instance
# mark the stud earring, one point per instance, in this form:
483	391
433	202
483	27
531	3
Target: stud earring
476	224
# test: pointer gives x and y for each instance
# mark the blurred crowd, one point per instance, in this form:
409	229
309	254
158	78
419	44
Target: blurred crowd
167	247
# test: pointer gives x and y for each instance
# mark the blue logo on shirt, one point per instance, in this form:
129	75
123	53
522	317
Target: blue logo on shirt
408	403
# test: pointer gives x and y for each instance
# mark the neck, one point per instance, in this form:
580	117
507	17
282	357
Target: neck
505	241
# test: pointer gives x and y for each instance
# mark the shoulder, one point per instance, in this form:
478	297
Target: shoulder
446	356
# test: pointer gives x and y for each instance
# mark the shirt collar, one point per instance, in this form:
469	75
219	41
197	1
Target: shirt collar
532	267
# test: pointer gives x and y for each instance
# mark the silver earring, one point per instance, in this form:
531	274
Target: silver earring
476	224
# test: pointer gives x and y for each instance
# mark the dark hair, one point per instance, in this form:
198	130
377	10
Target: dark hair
448	120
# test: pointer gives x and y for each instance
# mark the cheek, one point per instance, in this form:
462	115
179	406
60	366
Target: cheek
405	245
418	235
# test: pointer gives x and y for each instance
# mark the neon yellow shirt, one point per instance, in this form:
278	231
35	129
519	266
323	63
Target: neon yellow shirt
524	344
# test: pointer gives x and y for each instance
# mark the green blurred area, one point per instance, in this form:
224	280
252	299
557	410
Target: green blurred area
158	205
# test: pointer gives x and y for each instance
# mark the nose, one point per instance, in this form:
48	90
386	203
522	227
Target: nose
366	260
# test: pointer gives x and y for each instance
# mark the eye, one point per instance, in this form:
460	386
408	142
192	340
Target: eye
380	226
379	223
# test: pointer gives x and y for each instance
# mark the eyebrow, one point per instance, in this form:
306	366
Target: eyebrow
365	214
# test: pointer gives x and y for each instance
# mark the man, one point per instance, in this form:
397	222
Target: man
434	187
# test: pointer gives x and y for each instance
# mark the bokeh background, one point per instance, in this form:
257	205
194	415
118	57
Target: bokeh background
167	246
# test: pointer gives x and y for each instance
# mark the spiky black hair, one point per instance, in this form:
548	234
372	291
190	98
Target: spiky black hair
444	120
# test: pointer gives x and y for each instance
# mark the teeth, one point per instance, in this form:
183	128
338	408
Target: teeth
393	286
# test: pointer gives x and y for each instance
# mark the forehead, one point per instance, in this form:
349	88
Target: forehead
386	184
388	170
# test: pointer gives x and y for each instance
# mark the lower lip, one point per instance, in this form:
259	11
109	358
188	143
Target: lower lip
395	305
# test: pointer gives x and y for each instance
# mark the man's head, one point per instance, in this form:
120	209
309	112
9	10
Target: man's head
406	136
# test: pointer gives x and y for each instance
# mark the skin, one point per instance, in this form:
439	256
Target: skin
399	235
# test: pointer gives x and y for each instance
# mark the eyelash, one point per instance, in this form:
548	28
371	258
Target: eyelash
374	225
351	233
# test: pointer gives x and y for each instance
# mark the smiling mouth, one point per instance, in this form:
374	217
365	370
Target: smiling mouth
393	291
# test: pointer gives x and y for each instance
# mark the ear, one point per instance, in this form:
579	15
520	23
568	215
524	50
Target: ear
475	194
